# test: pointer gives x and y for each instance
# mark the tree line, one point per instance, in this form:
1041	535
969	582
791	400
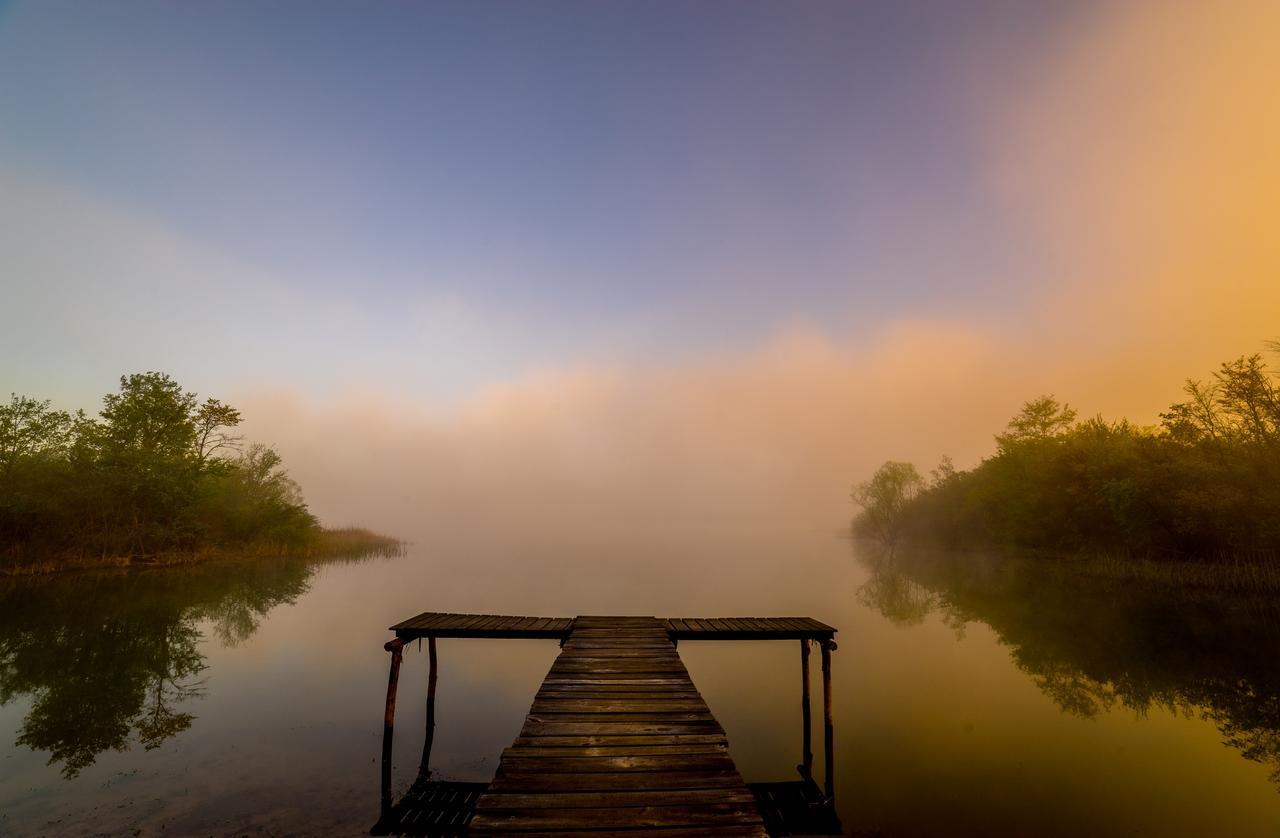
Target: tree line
157	471
1204	484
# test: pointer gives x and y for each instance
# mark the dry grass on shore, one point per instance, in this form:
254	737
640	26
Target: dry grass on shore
1254	573
339	542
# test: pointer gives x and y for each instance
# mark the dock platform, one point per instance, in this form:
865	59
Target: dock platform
618	738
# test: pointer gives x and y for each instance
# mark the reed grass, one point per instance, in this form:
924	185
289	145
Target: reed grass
337	543
1256	571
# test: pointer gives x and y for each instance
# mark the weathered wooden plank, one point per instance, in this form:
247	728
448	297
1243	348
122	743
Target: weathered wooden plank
620	685
621	673
587	652
578	819
617	750
631	694
614	800
649	695
613	678
614	629
644	663
595	668
558	726
424	619
481	625
747	628
625	718
620	710
576	653
657	832
630	643
606	740
655	635
509	781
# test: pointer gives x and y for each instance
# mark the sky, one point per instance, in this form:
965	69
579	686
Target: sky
570	249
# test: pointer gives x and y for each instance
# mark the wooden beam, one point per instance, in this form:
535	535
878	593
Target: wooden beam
424	767
396	648
828	730
806	714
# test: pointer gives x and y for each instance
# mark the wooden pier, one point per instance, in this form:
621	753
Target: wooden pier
618	738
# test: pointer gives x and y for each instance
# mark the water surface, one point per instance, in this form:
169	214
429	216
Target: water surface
238	697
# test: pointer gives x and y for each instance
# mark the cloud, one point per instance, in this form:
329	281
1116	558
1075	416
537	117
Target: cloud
774	435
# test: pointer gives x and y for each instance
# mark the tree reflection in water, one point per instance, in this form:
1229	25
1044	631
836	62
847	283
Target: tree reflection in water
113	659
1094	644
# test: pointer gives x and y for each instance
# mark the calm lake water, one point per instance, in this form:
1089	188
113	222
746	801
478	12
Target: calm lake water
231	698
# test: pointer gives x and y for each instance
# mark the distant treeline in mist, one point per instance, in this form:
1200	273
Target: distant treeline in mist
157	474
1204	484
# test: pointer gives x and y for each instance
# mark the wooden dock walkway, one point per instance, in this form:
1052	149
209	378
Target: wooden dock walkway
618	738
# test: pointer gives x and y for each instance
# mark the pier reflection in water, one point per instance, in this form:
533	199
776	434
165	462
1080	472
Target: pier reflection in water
440	807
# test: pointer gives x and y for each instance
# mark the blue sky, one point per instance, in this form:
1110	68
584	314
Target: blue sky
585	180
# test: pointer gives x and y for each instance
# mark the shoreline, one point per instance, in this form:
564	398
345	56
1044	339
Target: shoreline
329	543
1258	573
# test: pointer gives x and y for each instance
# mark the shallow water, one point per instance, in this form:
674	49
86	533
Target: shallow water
248	697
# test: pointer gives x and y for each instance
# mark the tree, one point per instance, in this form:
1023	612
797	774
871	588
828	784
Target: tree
151	417
252	496
1205	486
30	428
213	422
944	473
1199	417
884	497
1040	420
154	473
1251	398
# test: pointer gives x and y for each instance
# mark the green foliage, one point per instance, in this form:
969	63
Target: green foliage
1205	484
252	498
884	497
1241	404
156	472
1041	420
30	430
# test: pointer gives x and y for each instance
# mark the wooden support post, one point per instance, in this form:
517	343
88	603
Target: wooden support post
806	714
828	731
424	767
396	648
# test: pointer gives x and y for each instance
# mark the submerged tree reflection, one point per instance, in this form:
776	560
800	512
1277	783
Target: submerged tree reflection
113	659
1093	645
892	592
